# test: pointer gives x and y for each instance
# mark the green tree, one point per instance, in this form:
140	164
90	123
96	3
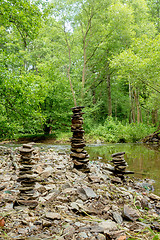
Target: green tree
154	8
48	58
98	37
20	90
24	16
139	67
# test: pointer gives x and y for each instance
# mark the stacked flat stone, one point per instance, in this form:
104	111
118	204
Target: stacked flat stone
119	164
79	156
27	195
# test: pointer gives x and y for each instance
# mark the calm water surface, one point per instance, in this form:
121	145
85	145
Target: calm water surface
144	161
141	159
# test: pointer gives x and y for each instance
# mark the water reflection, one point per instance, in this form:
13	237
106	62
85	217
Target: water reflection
145	162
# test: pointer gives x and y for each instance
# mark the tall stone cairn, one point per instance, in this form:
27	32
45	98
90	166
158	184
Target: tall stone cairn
78	155
27	195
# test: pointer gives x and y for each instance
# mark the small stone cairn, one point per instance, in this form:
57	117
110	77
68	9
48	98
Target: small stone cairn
27	195
78	155
120	165
153	138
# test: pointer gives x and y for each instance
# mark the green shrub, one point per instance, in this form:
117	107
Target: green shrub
114	131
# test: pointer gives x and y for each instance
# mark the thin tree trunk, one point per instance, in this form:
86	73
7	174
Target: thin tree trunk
148	114
116	110
71	86
133	107
69	68
141	115
109	95
136	94
154	117
130	103
158	16
84	68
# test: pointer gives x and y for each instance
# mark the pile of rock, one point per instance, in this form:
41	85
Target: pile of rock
27	195
4	150
120	165
79	156
66	195
153	138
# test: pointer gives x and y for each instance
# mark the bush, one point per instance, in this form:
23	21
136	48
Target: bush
116	132
6	129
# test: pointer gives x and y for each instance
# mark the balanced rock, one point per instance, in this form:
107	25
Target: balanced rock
119	165
78	155
27	194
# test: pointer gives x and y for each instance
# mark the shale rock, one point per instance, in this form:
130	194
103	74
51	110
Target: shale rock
78	155
27	194
130	213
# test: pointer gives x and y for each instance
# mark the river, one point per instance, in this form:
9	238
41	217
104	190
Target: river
142	159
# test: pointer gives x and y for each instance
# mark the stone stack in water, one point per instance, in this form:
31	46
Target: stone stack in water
27	195
119	164
79	156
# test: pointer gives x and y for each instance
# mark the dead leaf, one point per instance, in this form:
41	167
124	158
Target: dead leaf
2	222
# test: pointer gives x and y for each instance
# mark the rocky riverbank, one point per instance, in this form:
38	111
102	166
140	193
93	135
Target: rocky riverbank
73	204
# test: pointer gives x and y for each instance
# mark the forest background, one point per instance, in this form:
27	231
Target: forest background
104	55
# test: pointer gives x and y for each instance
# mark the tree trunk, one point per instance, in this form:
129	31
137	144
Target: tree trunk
148	114
141	115
136	95
69	68
133	118
130	103
154	117
116	110
158	16
109	95
84	68
133	112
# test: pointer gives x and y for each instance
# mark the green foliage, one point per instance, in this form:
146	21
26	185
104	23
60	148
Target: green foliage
114	131
139	66
109	50
22	15
154	7
6	130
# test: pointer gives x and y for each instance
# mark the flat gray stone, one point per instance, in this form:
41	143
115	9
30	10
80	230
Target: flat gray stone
74	206
83	235
96	229
69	232
117	217
108	226
53	216
154	197
118	154
88	192
130	213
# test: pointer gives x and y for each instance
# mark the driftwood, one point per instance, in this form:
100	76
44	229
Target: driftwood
153	138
